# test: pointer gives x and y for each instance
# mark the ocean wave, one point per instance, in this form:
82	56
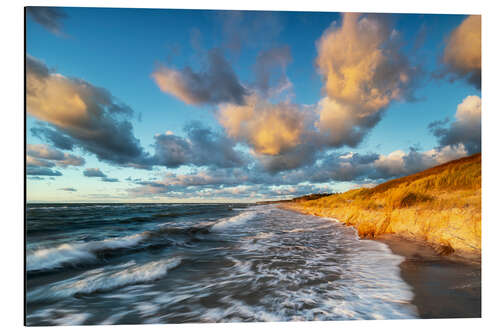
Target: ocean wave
233	221
77	253
105	280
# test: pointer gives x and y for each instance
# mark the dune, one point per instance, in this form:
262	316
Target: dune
440	206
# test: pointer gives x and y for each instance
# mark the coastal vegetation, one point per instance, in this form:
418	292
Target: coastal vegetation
441	205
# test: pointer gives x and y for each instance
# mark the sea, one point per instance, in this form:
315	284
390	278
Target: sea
90	264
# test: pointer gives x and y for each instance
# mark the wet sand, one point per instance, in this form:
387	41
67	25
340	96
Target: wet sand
443	286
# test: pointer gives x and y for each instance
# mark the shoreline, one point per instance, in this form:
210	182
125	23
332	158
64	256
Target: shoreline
444	286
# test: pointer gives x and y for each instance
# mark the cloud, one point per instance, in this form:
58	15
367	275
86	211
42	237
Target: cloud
399	163
35	170
342	124
48	17
334	166
361	81
243	29
330	167
462	54
270	129
303	154
270	70
58	139
93	172
81	115
68	189
172	182
96	172
320	176
31	161
239	192
465	130
42	154
40	159
201	147
341	167
110	180
84	115
216	83
364	71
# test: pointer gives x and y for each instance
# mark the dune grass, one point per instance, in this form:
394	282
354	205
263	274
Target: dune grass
441	205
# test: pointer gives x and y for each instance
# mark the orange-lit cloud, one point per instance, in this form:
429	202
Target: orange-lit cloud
363	72
463	50
83	114
270	129
44	155
341	124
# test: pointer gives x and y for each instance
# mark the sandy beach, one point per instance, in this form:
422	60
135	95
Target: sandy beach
443	286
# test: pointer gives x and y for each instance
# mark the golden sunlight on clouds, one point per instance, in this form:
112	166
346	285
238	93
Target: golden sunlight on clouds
463	51
354	63
363	72
55	99
338	122
171	81
268	128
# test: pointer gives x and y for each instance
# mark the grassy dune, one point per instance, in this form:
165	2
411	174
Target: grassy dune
441	205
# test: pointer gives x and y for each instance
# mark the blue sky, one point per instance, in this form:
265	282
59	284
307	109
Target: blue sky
270	95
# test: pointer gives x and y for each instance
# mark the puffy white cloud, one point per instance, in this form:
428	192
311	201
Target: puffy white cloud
465	130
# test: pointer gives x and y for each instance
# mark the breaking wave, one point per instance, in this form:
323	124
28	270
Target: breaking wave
106	279
57	257
234	221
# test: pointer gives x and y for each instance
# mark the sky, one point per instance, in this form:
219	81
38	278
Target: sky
157	105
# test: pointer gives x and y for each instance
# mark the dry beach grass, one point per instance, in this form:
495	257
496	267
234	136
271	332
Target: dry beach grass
441	206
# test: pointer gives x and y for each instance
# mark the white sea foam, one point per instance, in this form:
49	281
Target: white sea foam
233	221
368	283
114	318
62	317
71	319
55	257
98	280
285	266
